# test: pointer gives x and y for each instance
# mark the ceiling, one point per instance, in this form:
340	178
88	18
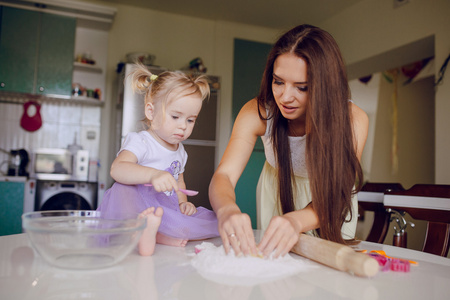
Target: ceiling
276	14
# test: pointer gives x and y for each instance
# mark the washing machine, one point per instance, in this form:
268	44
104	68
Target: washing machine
65	195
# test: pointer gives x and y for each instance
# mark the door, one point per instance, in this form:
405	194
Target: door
11	207
249	62
18	44
56	55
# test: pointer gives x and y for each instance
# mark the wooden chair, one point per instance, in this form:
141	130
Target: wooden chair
370	198
427	202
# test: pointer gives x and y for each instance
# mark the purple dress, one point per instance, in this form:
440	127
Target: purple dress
124	200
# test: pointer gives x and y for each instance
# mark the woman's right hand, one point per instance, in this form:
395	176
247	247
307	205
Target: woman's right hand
236	231
235	227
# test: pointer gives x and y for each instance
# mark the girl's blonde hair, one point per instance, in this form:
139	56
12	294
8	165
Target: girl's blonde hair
168	85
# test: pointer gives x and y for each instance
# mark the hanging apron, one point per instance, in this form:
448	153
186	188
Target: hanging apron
34	122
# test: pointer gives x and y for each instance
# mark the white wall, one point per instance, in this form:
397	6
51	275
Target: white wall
365	95
61	123
365	30
175	40
373	27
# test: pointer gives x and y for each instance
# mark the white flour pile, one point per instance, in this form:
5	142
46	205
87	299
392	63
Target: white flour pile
213	264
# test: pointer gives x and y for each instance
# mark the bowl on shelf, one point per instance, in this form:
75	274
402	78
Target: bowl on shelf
82	239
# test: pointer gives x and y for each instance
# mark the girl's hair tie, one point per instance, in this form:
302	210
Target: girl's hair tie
153	77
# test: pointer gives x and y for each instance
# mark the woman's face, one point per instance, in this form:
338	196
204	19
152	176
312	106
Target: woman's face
290	86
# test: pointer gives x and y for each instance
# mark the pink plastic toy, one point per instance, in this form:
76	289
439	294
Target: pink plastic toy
400	265
390	263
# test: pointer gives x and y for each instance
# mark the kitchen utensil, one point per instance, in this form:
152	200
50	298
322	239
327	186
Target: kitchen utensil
186	192
74	148
82	239
340	257
18	161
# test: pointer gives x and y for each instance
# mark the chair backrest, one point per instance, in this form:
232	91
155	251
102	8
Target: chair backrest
371	198
427	202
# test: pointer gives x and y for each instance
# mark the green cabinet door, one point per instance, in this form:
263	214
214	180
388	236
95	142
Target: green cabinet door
36	52
11	207
55	62
18	49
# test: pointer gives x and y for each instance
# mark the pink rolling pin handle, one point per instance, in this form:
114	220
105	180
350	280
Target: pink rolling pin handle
186	192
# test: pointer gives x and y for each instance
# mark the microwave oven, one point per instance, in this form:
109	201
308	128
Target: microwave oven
59	164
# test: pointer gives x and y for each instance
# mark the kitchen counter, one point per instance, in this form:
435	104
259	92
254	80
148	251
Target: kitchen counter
168	274
13	178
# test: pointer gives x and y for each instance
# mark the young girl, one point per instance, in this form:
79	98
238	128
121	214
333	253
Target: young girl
313	139
149	167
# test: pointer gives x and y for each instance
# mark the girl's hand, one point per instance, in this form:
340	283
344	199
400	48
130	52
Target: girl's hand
163	181
187	208
236	231
280	237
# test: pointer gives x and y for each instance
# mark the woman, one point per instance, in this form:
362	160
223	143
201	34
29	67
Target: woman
313	137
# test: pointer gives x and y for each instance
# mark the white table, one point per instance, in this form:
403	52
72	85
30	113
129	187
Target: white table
168	274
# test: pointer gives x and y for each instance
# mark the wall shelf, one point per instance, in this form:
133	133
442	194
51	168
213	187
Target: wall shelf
87	67
20	98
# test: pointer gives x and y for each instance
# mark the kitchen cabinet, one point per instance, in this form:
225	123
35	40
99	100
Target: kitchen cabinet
36	52
18	43
11	206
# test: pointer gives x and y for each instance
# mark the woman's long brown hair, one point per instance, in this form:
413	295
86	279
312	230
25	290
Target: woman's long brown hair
332	163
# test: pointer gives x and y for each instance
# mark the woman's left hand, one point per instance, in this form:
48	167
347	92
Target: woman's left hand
279	237
187	208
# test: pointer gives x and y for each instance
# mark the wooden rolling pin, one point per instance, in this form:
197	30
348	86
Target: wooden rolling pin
335	255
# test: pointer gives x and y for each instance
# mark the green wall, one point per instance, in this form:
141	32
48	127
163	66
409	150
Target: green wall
249	62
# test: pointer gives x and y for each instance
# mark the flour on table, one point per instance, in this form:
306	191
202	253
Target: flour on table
212	263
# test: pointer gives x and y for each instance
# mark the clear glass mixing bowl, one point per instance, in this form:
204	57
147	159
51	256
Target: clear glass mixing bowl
82	239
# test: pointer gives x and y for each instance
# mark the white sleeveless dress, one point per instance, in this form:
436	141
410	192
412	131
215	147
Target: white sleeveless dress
268	204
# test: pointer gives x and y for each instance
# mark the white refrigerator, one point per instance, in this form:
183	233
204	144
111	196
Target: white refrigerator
201	145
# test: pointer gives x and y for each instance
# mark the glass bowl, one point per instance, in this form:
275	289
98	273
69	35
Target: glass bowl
82	239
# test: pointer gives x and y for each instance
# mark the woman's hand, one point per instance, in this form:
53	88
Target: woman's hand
236	231
187	208
280	236
235	227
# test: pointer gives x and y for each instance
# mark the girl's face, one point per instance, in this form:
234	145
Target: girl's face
290	87
176	123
